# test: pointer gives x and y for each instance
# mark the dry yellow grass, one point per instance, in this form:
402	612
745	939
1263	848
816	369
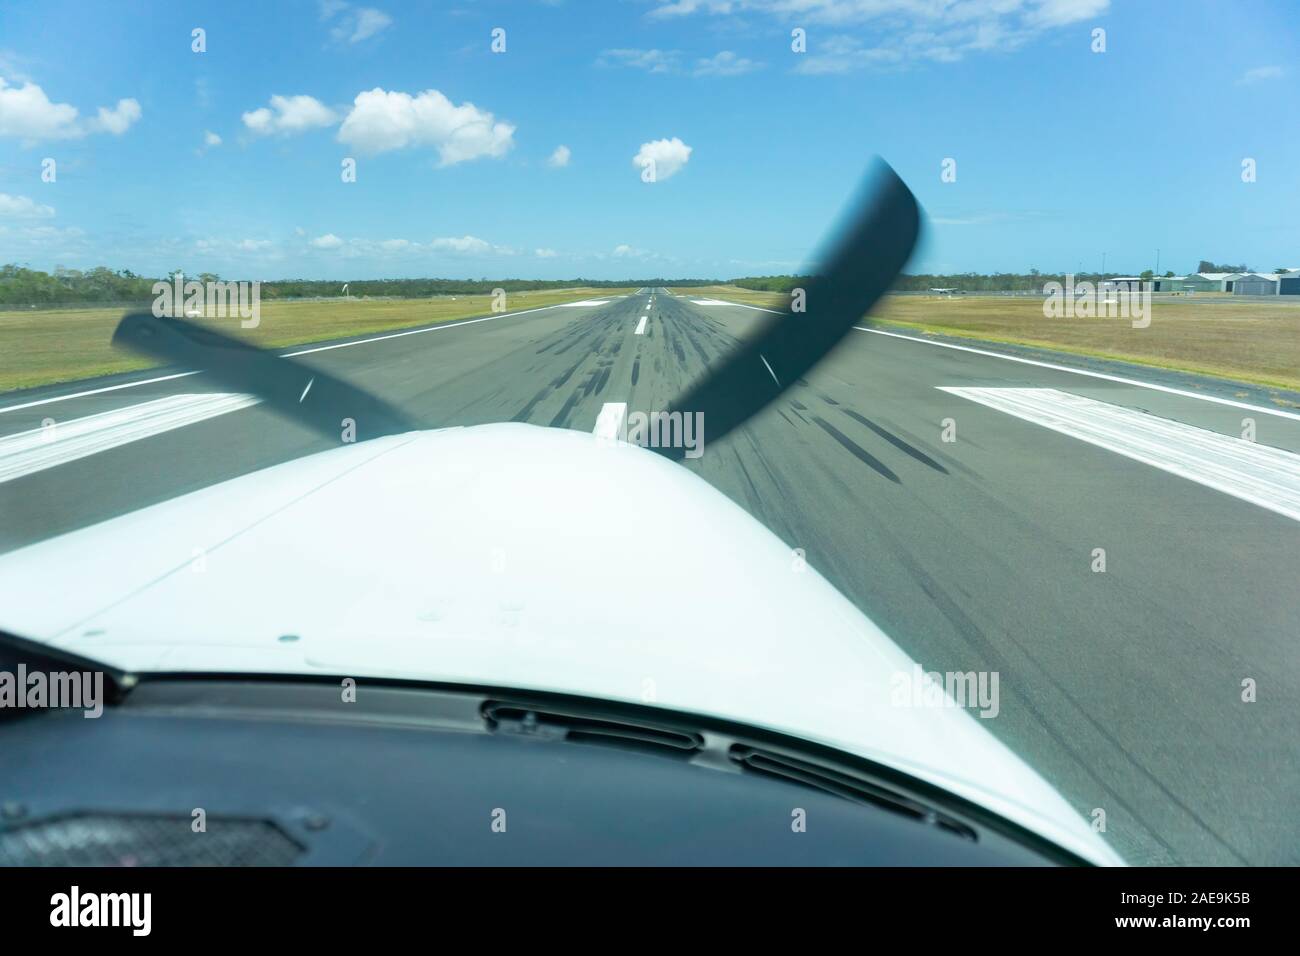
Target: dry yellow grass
1248	340
38	347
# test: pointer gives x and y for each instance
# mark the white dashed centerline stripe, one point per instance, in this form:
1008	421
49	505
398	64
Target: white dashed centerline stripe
40	448
640	326
1262	475
609	423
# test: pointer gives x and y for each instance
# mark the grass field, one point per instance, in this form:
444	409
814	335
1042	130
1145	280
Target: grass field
1247	340
38	347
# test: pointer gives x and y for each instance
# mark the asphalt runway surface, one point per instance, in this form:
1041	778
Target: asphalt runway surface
958	498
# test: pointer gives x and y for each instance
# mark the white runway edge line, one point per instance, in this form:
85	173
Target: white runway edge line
41	448
1263	410
609	423
1264	476
640	326
323	348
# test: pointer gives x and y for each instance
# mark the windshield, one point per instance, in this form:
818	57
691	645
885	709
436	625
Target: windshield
582	348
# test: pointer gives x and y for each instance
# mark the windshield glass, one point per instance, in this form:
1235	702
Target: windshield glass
582	347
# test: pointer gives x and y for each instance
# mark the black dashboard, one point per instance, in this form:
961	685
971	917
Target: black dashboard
212	770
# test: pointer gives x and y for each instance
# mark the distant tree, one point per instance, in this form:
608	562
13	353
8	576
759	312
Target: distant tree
1208	266
1146	274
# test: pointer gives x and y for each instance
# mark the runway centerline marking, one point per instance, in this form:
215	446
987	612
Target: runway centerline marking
640	326
40	448
1262	475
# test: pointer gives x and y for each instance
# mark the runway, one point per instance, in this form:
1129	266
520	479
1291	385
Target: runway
961	496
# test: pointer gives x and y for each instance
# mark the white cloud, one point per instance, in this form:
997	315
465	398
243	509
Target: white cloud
560	157
843	54
254	245
1261	73
210	138
681	8
725	63
546	253
469	246
652	61
1058	13
28	114
903	30
119	119
360	24
380	121
327	241
668	156
290	114
20	207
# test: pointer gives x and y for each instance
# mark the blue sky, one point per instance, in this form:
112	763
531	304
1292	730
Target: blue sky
1062	154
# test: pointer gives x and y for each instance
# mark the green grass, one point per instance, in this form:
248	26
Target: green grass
41	347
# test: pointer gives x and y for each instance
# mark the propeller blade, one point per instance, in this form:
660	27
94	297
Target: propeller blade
871	249
306	395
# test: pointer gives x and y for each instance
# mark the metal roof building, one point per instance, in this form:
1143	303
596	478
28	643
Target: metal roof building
1256	283
1209	282
1288	284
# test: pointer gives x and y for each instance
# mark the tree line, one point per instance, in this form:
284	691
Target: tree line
24	287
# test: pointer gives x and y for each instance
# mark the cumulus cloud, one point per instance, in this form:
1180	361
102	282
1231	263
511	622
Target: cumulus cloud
668	156
361	25
20	207
119	119
327	241
28	114
546	253
560	157
210	138
289	114
725	63
681	8
652	61
353	24
1261	73
380	121
469	246
902	30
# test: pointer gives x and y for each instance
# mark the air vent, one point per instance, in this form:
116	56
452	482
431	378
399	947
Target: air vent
552	724
97	839
845	785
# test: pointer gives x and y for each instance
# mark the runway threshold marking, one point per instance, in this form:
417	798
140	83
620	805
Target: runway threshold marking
1262	475
640	326
40	448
